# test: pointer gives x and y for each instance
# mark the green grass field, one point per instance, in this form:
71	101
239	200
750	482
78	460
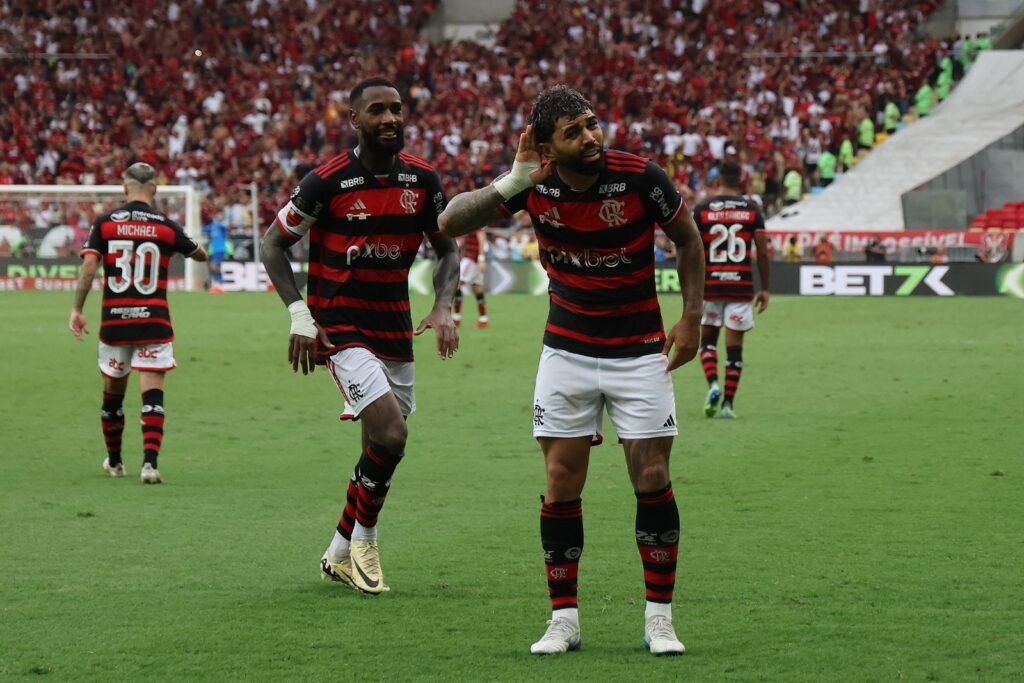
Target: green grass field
861	521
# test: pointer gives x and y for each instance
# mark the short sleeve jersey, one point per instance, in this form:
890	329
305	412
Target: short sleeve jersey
727	225
364	232
470	246
135	243
597	248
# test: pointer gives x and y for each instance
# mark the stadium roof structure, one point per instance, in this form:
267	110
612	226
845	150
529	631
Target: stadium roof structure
985	107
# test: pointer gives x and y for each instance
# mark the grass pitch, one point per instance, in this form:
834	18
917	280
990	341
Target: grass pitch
861	521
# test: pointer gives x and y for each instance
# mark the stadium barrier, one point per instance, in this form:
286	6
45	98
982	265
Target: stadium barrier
807	279
61	274
997	244
896	279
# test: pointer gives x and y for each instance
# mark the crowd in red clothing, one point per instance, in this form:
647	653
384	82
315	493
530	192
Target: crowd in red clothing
219	93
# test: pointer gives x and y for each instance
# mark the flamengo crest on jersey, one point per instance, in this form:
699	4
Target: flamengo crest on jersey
727	226
597	248
135	243
363	237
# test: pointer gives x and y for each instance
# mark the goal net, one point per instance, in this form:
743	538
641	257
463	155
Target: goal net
43	227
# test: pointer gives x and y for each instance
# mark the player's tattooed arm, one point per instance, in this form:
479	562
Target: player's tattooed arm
305	332
77	323
470	211
685	334
446	279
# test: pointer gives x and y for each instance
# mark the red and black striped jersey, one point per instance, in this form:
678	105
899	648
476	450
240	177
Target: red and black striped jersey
364	233
597	248
470	245
727	225
135	243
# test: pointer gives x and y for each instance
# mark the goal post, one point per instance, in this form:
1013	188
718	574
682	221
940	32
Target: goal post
55	216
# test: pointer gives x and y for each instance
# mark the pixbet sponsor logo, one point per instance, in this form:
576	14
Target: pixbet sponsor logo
662	201
871	280
378	250
587	258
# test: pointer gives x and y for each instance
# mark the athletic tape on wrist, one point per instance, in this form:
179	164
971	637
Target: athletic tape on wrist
516	180
302	320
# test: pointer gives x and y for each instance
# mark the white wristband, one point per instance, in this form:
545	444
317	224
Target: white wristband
302	321
516	180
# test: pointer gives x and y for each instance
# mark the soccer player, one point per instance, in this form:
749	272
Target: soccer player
471	272
366	212
594	212
217	232
135	242
731	226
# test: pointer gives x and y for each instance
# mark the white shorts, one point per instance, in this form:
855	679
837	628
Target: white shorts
118	361
363	378
737	315
470	273
572	390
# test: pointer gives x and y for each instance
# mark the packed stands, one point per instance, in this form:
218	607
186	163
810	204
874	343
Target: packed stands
222	93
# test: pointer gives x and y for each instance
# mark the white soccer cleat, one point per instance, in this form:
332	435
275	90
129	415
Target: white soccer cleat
150	474
562	636
660	637
366	572
117	471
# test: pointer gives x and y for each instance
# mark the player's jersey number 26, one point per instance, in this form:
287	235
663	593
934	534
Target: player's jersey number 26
726	246
135	263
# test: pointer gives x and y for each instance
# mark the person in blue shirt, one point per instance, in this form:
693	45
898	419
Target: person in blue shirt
216	231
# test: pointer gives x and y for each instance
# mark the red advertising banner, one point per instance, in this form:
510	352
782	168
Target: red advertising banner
997	244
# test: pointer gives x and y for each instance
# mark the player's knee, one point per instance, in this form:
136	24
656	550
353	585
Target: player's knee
652	475
563	478
394	436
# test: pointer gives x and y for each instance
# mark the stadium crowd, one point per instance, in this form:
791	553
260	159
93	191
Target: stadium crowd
220	93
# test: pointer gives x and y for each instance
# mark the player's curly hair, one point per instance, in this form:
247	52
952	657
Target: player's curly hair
553	104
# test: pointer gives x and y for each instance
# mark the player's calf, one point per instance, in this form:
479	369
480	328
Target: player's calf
733	370
112	421
152	434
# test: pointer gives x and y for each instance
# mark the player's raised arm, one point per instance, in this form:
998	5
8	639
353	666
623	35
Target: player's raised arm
446	279
685	334
304	331
473	210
